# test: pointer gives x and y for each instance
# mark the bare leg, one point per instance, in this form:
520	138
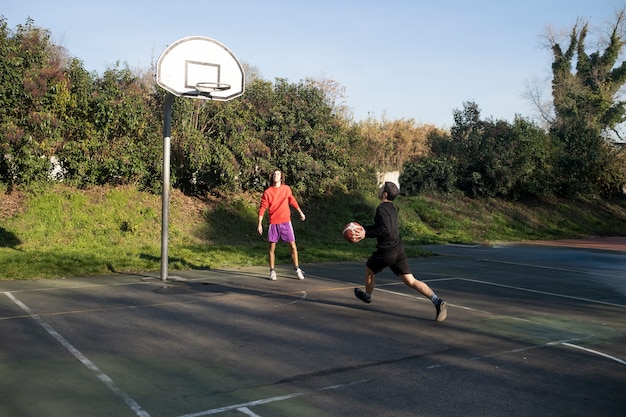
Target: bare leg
294	253
370	281
423	288
272	255
418	285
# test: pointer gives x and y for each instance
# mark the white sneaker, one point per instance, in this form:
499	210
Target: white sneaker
272	275
300	273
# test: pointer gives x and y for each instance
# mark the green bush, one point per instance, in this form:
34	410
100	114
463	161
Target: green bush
428	175
489	158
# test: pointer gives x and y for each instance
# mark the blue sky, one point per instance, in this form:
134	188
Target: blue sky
397	59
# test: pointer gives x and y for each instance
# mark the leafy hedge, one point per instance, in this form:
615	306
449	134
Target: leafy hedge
59	122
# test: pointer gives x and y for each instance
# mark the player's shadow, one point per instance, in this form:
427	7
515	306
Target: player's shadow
175	285
178	285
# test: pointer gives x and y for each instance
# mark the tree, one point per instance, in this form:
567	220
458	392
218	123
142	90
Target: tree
232	146
59	122
110	131
483	158
590	92
31	97
585	90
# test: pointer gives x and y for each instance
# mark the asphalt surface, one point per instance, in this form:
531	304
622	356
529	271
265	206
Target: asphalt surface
532	330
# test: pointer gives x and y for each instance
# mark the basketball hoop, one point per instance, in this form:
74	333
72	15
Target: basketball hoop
206	88
194	67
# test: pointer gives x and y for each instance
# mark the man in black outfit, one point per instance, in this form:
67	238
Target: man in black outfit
390	252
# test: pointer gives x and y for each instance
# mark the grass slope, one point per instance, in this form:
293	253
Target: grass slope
57	231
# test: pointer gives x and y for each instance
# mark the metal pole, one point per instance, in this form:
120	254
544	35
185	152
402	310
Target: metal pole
167	122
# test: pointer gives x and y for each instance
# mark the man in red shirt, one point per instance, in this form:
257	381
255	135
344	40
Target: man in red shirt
277	199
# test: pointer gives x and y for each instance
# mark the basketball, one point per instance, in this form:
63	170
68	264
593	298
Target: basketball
348	231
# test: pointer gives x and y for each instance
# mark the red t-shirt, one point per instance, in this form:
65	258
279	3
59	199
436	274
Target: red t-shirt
278	200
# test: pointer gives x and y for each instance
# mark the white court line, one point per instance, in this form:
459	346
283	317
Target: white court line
243	408
240	407
79	286
304	294
248	412
618	360
244	405
504	352
578	271
82	358
419	298
570	297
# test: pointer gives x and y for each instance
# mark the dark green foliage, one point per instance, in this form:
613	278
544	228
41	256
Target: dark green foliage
116	140
108	130
587	108
483	158
589	93
577	158
585	163
61	123
430	175
232	146
29	128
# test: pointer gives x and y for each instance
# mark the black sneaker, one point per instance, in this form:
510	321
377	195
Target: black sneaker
442	310
362	295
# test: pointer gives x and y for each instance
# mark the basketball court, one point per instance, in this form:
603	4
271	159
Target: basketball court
531	330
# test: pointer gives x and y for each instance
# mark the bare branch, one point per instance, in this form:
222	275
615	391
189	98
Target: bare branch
535	94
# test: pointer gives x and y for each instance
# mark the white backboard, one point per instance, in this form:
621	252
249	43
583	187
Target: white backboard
198	59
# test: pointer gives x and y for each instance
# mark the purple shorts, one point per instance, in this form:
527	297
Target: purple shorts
281	231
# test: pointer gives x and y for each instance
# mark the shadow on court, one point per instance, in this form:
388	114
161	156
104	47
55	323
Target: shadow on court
532	330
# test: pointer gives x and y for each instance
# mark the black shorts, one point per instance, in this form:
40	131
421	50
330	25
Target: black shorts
395	259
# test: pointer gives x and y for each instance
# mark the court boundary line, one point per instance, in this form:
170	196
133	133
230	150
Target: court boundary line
135	407
511	287
577	271
595	352
270	400
244	407
248	412
557	342
552	294
99	373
